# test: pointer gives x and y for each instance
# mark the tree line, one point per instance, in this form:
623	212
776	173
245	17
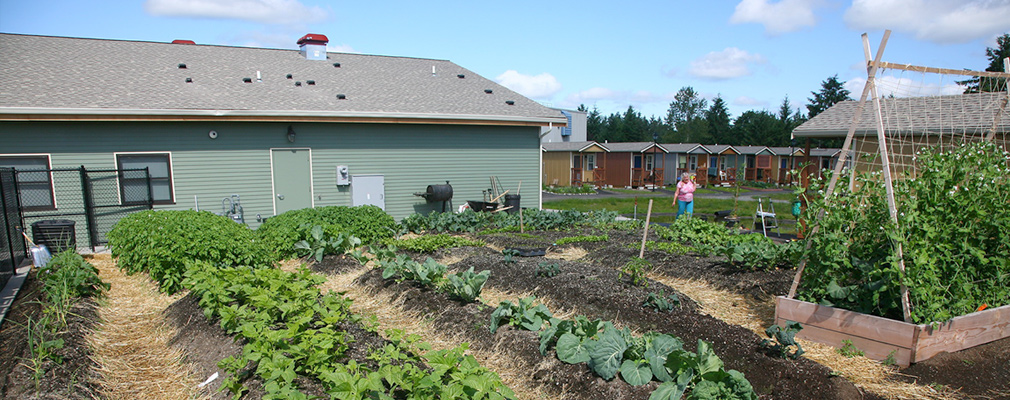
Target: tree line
693	119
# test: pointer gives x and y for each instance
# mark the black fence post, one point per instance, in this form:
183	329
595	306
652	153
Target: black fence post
150	189
89	209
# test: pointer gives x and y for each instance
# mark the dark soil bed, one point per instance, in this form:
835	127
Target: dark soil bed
979	372
74	378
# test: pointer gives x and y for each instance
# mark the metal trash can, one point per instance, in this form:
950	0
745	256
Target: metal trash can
57	234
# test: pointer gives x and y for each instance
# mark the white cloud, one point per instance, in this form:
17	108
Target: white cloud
537	87
888	85
282	12
749	101
939	21
729	63
777	17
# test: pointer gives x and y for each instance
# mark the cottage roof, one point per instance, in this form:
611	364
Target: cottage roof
682	147
786	151
720	148
57	77
824	152
972	113
633	147
572	146
752	150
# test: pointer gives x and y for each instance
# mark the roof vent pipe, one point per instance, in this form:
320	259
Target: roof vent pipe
313	46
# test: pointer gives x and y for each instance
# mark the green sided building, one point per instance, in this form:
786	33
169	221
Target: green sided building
282	129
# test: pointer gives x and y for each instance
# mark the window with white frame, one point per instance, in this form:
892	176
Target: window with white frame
590	161
650	160
692	162
35	181
133	185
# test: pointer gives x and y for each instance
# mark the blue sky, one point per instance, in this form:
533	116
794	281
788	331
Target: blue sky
606	54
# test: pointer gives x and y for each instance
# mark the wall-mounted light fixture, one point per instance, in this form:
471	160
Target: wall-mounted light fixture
291	135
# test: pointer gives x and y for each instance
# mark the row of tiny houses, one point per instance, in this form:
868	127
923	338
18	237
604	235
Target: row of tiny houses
646	164
281	129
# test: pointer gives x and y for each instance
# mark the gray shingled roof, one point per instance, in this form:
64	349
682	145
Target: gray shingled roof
571	146
750	150
682	147
719	148
632	147
58	75
785	151
967	113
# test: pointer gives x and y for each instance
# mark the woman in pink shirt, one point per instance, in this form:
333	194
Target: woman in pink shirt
684	195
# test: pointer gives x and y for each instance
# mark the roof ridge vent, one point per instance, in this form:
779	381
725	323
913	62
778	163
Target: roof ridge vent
313	46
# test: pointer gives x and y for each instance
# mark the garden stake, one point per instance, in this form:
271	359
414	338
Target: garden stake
648	215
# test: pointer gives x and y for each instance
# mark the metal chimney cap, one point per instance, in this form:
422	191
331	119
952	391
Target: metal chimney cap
313	38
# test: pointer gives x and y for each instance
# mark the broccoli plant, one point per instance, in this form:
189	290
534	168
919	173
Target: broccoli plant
547	269
784	338
524	314
467	285
661	302
510	255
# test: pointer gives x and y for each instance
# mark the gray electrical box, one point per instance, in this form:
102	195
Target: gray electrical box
343	177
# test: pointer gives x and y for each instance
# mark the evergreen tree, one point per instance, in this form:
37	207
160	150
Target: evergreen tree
756	128
687	108
594	124
996	56
832	91
719	122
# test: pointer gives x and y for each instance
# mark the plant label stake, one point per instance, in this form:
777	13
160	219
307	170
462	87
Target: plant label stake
648	215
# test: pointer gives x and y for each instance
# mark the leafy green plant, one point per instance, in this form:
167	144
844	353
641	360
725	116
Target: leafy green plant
581	239
467	285
669	247
581	189
849	349
431	243
547	269
533	219
661	302
430	273
162	242
950	211
368	223
509	255
780	339
522	314
635	270
320	244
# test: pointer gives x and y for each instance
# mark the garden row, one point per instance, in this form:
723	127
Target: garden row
296	340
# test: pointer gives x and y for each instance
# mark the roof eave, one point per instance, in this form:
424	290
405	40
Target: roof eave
106	114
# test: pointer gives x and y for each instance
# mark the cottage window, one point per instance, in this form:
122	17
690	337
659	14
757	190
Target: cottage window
649	161
35	180
133	186
693	161
590	161
783	163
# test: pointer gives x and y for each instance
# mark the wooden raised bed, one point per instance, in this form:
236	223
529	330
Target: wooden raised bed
877	337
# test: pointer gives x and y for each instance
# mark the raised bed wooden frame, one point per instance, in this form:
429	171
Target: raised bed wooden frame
878	337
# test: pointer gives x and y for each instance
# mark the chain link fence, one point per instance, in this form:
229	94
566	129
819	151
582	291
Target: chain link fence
12	247
85	202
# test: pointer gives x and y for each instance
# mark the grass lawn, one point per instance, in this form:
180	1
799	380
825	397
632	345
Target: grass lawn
745	209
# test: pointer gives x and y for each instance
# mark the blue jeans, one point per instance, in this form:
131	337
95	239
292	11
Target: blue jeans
685	206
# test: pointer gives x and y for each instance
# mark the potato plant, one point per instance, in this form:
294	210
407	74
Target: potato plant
162	242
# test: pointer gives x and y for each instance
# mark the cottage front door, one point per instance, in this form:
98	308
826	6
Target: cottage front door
292	179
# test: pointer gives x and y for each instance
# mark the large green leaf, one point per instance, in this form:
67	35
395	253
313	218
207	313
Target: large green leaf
636	372
669	391
572	349
605	355
660	347
708	362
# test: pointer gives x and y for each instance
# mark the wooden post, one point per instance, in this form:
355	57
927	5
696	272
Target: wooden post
645	234
871	73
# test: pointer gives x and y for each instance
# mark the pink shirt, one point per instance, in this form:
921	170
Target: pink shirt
686	190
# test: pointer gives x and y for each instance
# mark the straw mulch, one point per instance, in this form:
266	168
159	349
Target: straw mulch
130	341
757	315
